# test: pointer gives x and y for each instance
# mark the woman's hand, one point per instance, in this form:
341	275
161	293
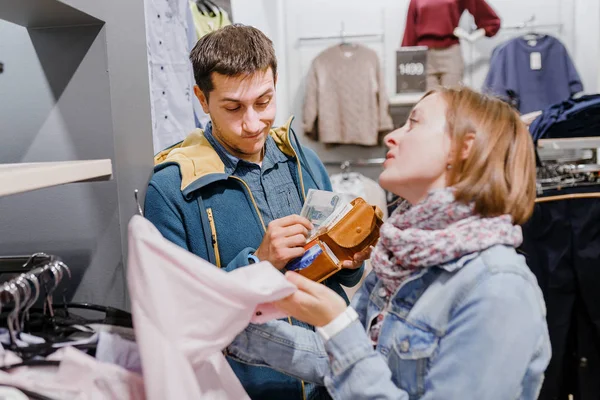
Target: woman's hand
312	303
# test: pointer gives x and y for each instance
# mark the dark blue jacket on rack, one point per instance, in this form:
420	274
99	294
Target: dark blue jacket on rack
571	118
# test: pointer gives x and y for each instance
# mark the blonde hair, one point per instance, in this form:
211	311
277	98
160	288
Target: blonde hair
498	174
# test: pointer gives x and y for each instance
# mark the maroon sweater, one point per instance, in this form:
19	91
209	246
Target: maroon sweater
431	22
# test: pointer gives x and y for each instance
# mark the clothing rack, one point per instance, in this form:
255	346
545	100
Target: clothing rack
20	264
24	290
529	24
342	36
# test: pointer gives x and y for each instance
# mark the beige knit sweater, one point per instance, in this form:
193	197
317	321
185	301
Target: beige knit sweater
345	100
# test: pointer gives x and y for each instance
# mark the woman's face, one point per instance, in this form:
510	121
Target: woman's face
419	152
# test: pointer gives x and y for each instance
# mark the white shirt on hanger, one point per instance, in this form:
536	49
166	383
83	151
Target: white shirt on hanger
171	78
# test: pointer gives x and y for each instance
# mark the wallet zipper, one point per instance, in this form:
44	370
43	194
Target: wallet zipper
215	242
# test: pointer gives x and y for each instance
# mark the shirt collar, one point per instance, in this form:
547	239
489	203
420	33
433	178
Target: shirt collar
272	153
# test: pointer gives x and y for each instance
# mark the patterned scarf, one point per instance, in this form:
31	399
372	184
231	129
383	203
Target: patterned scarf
433	232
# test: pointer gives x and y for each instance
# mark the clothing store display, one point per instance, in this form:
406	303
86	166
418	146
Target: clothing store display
171	78
78	376
435	231
345	99
532	74
358	185
437	342
445	67
568	119
431	23
210	309
190	199
562	247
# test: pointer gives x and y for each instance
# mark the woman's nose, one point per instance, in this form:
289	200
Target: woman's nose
391	139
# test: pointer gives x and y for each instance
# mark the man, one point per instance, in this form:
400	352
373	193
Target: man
232	194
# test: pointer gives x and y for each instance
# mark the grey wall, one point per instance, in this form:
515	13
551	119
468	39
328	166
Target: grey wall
56	107
130	97
70	93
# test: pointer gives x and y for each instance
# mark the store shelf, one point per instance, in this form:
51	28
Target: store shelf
24	177
571	143
407	99
43	14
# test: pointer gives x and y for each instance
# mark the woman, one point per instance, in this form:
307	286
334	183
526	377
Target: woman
450	311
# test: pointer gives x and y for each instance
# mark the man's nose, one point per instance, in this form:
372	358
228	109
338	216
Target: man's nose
251	121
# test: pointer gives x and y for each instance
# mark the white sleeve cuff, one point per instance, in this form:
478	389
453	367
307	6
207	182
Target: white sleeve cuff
338	324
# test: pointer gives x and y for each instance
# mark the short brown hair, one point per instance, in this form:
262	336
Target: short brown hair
498	175
232	51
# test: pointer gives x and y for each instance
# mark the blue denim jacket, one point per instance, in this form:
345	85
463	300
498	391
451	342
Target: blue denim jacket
471	329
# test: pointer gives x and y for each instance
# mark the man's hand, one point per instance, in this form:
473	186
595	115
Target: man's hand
284	240
359	258
312	303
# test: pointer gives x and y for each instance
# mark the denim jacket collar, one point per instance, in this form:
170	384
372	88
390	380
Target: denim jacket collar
410	290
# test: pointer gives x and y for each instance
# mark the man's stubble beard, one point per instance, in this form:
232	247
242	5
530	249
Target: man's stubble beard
219	136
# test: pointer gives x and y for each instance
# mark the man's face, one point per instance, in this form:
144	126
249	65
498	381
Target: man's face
242	110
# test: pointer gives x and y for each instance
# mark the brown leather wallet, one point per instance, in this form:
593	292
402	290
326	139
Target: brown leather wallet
355	232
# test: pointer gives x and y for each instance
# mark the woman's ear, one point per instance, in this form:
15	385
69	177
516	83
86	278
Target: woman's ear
467	145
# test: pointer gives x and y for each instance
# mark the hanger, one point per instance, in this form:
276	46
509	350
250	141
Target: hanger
594	195
343	41
209	8
202	7
57	275
12	319
24	291
32	278
214	8
345	167
137	202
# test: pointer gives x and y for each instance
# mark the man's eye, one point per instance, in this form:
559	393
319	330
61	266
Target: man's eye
232	109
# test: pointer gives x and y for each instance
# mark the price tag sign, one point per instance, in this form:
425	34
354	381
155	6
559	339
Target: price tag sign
411	67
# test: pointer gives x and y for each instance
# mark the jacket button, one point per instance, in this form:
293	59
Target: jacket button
358	230
583	362
382	292
404	346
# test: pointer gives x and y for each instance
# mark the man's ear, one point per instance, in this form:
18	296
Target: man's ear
201	98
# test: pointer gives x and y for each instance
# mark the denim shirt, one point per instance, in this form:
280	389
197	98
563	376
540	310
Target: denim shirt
471	329
271	183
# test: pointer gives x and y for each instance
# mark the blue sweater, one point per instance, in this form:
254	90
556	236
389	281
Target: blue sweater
532	77
196	205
